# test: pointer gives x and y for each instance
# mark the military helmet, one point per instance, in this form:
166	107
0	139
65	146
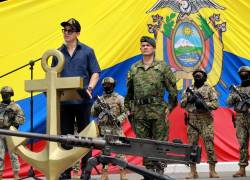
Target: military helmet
244	68
199	70
7	89
108	80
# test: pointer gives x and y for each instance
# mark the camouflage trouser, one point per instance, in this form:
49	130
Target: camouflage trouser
110	130
117	131
243	131
13	157
201	124
156	129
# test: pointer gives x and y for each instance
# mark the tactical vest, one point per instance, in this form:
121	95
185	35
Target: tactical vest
205	90
114	101
5	122
243	106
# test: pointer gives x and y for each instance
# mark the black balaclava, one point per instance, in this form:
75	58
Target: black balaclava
108	88
245	78
6	97
199	79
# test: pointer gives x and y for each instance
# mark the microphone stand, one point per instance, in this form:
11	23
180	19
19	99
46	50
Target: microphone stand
31	172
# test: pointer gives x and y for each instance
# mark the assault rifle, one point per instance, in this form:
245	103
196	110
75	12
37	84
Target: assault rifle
152	149
105	111
244	103
198	97
10	112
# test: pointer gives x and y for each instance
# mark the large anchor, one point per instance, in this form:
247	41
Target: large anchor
53	159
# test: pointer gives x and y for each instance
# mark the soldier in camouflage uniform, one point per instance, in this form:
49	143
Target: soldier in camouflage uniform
147	81
10	115
242	118
200	121
107	126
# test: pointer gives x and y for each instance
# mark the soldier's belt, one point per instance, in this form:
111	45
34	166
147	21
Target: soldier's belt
151	100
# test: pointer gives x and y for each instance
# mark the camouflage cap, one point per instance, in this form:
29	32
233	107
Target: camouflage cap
73	23
108	80
244	68
7	89
149	40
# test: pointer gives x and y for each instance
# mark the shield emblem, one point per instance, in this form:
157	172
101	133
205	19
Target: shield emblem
187	45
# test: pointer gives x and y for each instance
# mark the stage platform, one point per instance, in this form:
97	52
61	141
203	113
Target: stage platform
180	171
177	176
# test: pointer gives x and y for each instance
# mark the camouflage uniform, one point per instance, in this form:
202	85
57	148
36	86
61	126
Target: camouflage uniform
242	122
116	103
18	119
201	121
146	88
199	100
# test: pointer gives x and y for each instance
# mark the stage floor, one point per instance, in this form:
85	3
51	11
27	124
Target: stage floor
178	176
203	175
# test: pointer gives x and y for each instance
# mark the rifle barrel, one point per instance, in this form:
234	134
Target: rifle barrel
97	143
152	149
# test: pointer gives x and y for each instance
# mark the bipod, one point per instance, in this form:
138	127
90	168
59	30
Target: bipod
102	159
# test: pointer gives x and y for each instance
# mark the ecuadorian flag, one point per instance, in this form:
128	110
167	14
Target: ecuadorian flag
216	39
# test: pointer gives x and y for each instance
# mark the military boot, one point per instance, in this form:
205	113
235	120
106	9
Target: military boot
105	175
16	176
193	172
212	172
123	175
241	172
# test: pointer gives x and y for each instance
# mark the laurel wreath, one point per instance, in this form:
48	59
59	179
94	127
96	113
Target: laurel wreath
205	27
168	25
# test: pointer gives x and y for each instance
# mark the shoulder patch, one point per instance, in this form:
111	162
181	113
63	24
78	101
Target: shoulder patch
133	70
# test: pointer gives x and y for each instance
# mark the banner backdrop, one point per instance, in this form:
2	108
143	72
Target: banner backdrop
213	35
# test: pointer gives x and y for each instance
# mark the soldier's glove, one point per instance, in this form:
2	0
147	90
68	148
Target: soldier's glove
122	117
190	99
199	104
236	98
119	119
102	122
